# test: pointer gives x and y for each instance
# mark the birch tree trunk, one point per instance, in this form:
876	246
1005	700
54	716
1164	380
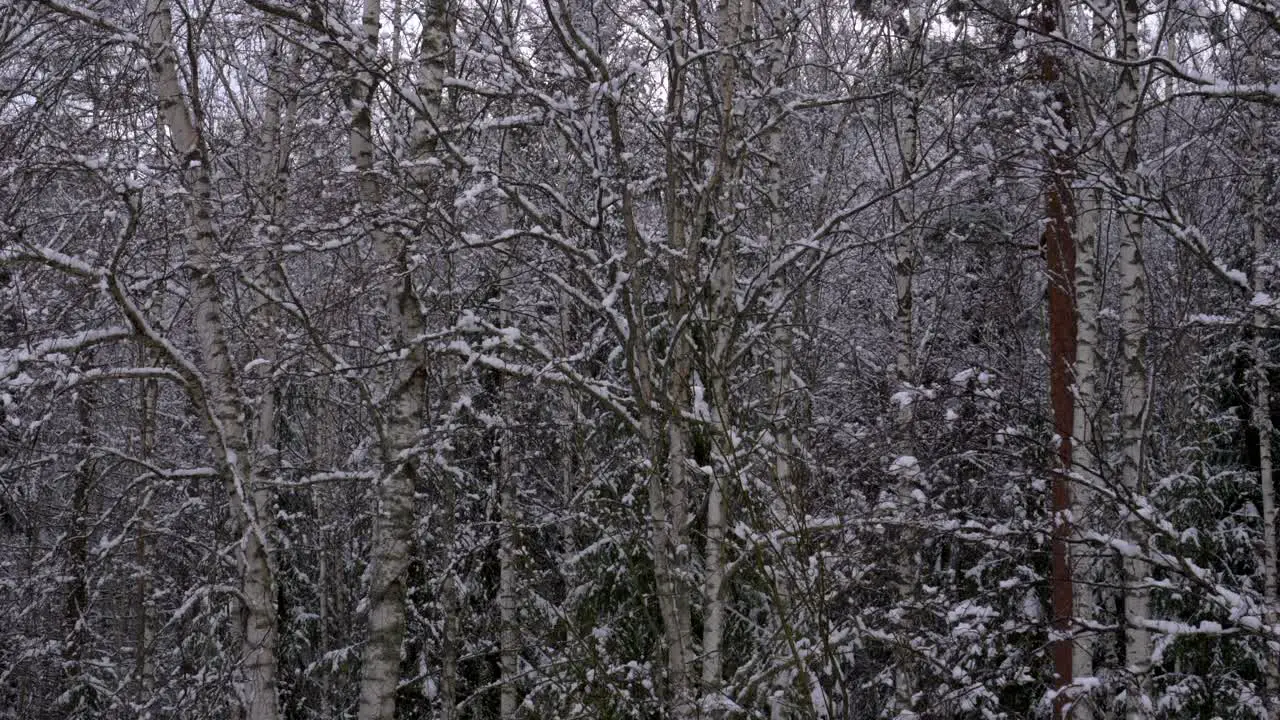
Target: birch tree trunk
734	18
144	632
905	680
657	420
1083	560
507	607
1085	462
273	157
1133	404
1266	475
782	391
668	501
784	437
257	687
1263	267
670	513
404	405
509	630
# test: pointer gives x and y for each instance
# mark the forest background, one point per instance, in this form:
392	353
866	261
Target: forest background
555	359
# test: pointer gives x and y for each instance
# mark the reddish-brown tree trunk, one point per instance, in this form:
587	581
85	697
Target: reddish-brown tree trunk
1057	241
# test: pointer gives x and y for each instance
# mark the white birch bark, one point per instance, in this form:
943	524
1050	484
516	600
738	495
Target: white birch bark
784	441
665	495
1263	267
641	367
904	250
1133	404
1266	476
672	599
671	515
734	20
669	501
1084	571
404	404
782	389
257	685
509	631
663	393
273	154
1137	611
507	600
905	681
1084	561
144	633
717	511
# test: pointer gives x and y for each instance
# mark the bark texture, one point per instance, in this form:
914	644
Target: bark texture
403	406
1086	461
1058	244
1134	397
257	685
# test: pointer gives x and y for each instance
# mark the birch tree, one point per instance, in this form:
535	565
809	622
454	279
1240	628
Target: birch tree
1133	417
404	405
1086	462
1263	269
226	418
